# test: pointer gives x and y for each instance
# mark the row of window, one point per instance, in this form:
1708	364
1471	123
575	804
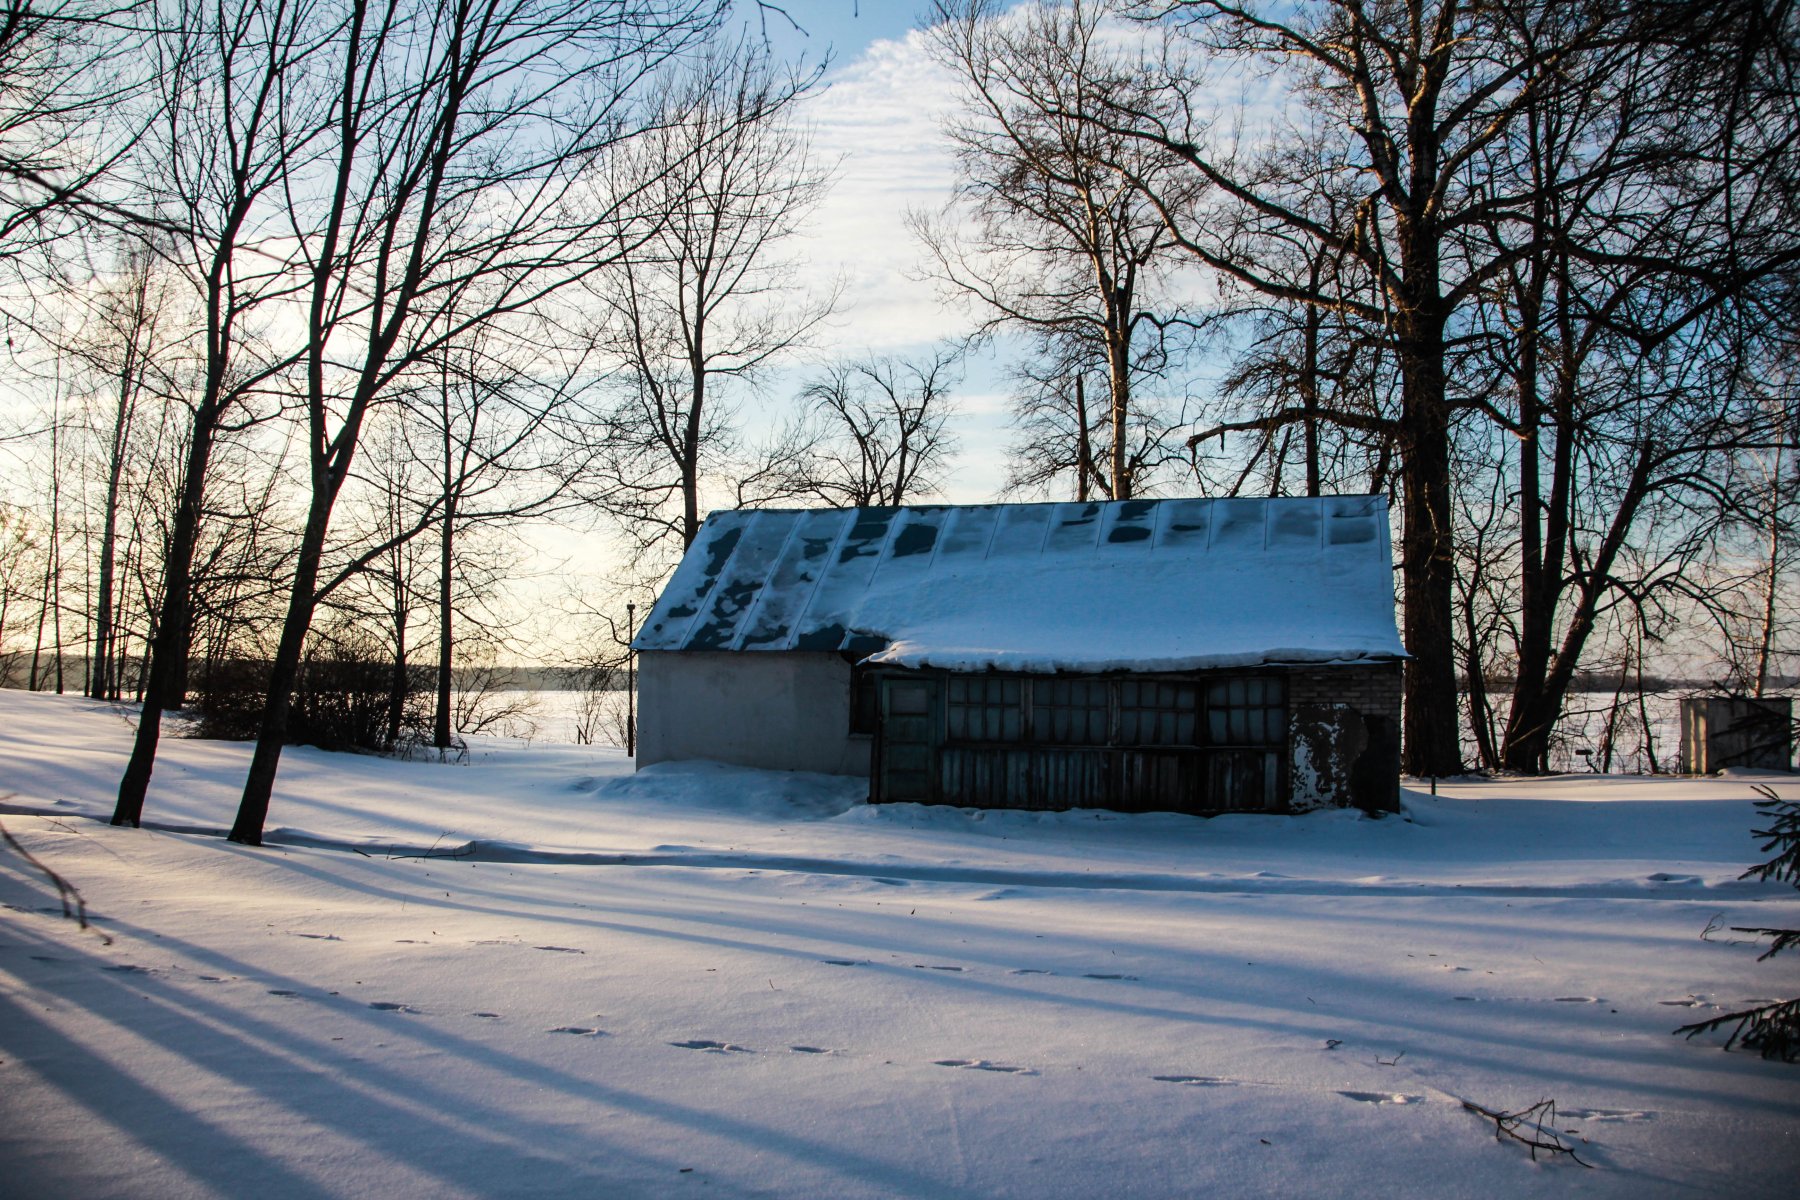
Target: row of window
1057	711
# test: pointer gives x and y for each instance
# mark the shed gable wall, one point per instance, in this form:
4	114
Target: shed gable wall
777	710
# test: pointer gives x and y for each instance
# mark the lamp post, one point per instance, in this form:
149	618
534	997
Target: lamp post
630	682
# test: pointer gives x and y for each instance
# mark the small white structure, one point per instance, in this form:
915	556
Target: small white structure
1718	732
1191	654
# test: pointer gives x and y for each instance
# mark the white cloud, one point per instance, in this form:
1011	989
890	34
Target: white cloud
880	118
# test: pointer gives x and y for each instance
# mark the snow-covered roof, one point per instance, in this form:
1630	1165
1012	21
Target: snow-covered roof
1177	584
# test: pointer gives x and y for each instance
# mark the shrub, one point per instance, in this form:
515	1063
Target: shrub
1773	1030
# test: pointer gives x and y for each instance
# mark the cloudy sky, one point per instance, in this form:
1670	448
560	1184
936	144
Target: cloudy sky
878	118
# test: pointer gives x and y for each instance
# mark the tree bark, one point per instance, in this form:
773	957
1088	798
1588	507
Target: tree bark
440	726
171	620
1430	741
259	785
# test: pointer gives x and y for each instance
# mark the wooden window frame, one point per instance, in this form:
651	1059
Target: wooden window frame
1261	694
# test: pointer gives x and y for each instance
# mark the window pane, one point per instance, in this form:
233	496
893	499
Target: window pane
1158	713
1070	712
1247	711
981	708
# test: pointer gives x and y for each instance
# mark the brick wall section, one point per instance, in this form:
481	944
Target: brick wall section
1322	772
1372	688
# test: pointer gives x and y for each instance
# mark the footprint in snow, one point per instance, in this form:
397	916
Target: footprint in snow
1031	971
391	1006
1382	1097
982	1064
1096	975
128	969
286	992
486	1016
1197	1080
319	937
1606	1114
933	967
714	1047
839	962
560	949
579	1031
1578	1000
809	1050
47	958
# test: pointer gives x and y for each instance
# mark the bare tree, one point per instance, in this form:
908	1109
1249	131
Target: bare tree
709	300
18	547
1659	234
69	71
1413	104
234	124
455	189
1061	240
124	348
495	424
880	436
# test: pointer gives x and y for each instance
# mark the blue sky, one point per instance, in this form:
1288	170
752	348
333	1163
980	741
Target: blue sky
878	118
843	25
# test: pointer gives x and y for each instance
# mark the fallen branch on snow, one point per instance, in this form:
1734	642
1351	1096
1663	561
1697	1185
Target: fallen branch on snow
1534	1128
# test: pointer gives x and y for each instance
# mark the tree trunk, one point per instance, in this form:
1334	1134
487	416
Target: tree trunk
397	681
440	727
690	443
1766	642
101	674
1118	366
1314	318
1430	742
1084	448
52	590
259	785
171	621
1543	552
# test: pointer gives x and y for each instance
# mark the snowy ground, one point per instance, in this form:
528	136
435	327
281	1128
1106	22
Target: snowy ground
535	975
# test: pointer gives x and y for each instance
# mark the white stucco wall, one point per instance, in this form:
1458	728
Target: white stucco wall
781	710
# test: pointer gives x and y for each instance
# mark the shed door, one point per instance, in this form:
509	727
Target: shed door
908	736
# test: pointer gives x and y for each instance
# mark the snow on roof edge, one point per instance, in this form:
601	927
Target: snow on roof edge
1172	584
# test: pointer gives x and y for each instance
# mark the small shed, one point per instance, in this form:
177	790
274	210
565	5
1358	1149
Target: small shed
1736	731
1182	654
